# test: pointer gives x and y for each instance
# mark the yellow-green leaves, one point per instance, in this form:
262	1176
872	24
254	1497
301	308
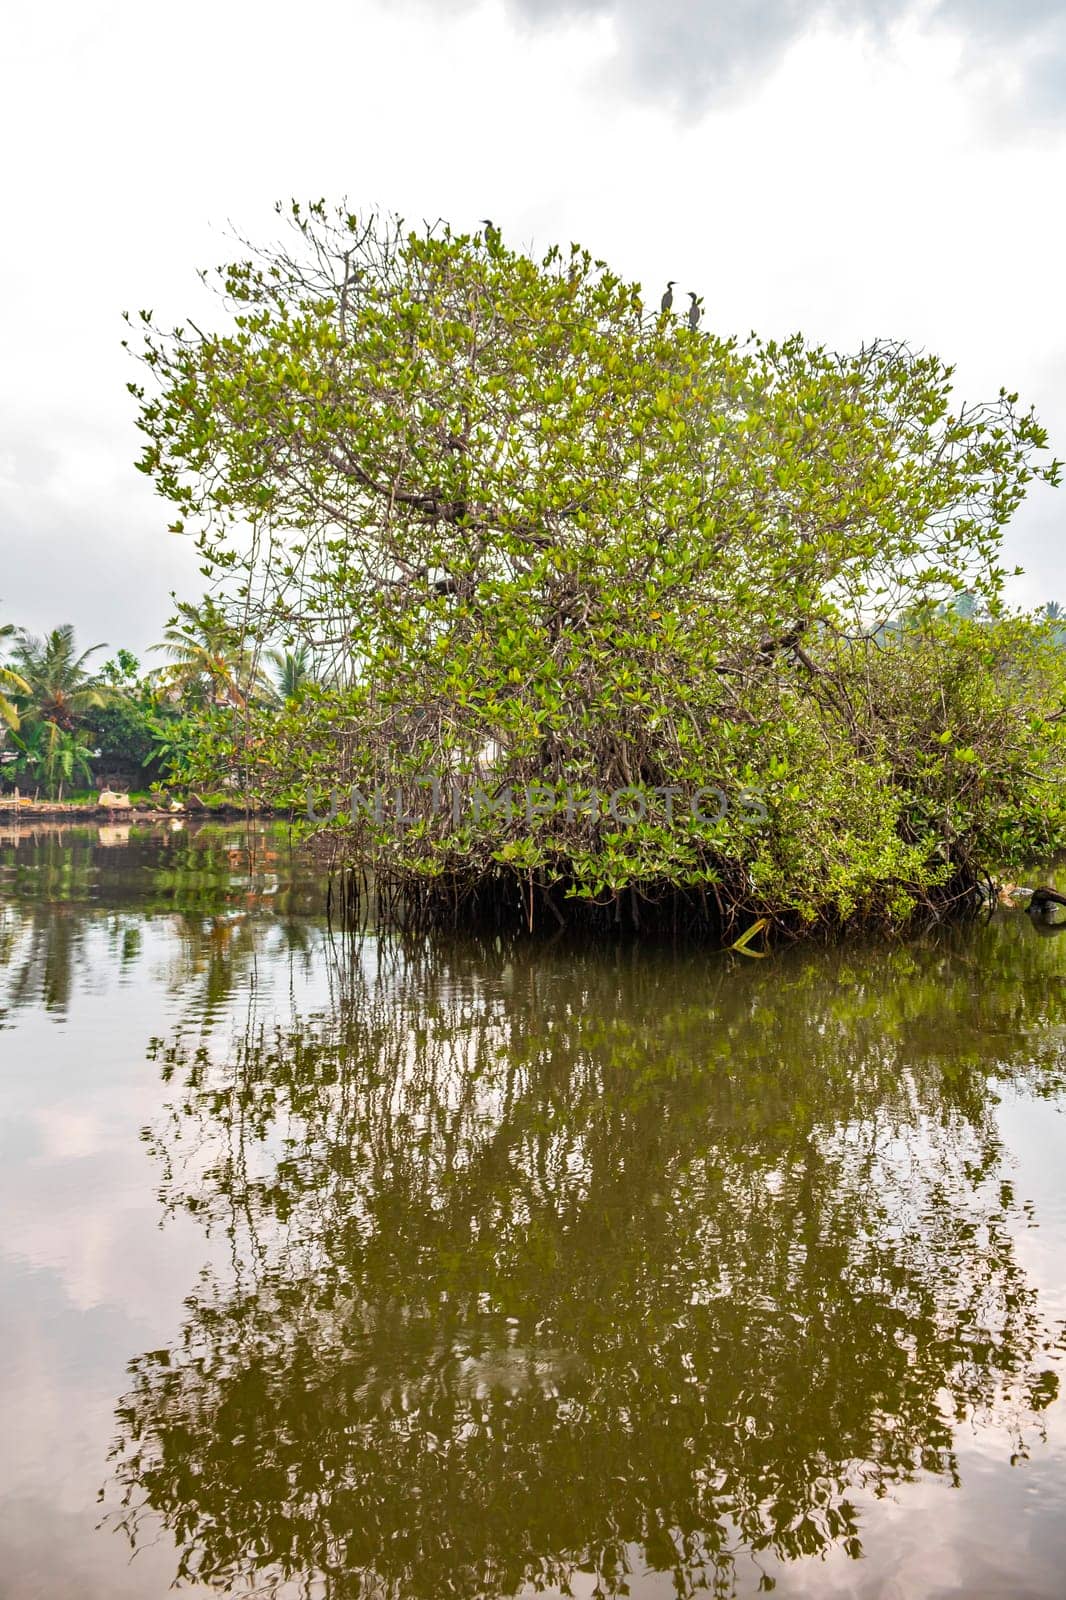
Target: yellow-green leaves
509	507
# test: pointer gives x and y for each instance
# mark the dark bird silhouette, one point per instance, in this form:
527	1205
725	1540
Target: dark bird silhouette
668	298
351	280
1042	903
786	641
695	310
492	232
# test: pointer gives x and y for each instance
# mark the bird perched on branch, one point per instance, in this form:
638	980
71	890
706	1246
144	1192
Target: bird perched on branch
492	233
786	641
695	310
668	298
350	282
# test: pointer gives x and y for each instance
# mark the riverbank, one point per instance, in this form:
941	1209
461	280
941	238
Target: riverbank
90	811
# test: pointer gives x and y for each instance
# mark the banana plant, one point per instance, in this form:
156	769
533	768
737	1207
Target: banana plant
54	755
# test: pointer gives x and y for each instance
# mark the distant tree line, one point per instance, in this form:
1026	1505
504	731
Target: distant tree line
69	722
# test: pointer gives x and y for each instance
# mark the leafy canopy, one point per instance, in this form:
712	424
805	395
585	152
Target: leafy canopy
498	500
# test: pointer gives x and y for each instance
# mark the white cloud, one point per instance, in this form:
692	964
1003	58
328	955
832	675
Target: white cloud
691	55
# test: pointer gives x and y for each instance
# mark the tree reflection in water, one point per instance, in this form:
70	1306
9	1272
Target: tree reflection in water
546	1261
75	902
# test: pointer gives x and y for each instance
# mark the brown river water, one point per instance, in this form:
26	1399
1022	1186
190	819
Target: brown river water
348	1266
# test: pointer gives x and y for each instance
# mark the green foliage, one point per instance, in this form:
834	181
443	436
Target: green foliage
143	727
60	686
50	755
293	672
209	663
180	739
123	671
51	691
504	504
70	724
125	734
972	723
12	687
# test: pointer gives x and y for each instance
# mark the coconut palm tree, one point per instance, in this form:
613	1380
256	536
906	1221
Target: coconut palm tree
293	671
10	684
54	692
209	662
59	687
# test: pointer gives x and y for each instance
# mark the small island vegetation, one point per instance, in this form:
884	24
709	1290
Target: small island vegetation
509	573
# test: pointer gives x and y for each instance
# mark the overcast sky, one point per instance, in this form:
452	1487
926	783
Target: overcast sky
851	170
